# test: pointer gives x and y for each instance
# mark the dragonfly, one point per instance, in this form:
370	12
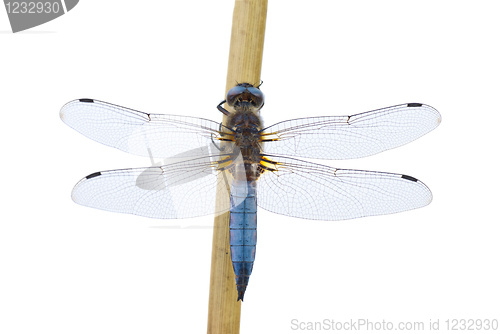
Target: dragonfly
215	168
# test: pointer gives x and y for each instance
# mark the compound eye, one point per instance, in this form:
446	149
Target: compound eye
233	94
257	96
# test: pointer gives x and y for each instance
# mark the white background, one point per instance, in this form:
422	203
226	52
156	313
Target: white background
70	269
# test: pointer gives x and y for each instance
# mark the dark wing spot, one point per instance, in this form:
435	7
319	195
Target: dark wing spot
93	175
414	104
87	100
407	177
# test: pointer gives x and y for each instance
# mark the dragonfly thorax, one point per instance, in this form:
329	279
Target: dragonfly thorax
244	121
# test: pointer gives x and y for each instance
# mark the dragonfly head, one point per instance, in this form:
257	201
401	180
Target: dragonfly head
245	96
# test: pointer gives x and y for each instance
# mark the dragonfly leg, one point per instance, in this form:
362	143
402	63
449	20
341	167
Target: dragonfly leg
221	108
217	147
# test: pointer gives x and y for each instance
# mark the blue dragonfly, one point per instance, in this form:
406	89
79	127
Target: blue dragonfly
248	165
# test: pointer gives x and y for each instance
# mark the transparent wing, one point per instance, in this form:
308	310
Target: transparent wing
311	191
179	190
140	133
349	137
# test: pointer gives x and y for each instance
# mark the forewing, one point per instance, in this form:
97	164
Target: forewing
349	137
179	190
305	190
140	133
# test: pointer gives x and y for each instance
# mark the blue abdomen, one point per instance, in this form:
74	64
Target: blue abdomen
243	231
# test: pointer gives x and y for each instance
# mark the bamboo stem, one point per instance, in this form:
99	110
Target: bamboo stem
245	63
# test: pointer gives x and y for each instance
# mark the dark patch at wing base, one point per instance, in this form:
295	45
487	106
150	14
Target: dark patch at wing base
93	175
407	177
